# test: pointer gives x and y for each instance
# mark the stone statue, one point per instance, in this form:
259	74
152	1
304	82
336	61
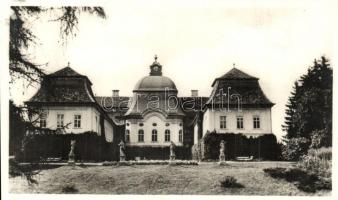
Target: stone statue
172	151
221	151
122	151
71	155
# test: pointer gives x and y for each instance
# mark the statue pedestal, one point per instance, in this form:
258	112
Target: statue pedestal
71	159
222	159
122	158
172	160
222	163
71	162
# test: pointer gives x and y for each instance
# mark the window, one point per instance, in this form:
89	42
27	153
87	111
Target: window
77	121
43	122
154	135
223	122
154	124
60	118
239	122
127	136
167	135
256	122
140	135
140	124
180	136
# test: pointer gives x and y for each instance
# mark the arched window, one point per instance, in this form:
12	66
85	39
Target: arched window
127	136
154	135
180	136
140	135
167	135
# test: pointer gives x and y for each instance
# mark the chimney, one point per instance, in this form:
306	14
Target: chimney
116	93
194	93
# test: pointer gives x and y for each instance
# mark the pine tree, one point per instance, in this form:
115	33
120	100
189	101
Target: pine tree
309	109
290	127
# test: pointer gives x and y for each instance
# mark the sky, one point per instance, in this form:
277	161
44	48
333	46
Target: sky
195	43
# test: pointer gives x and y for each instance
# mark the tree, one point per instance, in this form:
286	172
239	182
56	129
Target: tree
291	107
309	109
16	128
21	36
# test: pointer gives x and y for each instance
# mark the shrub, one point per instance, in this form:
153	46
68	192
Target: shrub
295	148
321	138
69	189
28	171
305	181
318	161
230	182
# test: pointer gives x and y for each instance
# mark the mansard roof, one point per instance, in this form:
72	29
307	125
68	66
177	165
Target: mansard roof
64	86
235	74
240	87
67	71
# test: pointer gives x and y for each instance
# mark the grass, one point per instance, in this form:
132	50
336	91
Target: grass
160	179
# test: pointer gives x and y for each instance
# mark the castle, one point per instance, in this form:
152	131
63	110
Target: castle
154	116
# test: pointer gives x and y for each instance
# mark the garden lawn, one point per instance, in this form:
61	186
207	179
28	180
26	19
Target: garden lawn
160	179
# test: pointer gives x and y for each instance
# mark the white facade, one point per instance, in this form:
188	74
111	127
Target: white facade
154	121
211	121
90	120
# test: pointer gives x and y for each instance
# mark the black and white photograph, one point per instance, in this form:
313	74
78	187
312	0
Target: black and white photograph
153	98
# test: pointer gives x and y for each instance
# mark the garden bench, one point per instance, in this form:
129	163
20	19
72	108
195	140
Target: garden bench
244	158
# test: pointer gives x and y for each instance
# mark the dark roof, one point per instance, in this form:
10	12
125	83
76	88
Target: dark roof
67	71
64	86
61	95
238	84
155	83
235	74
112	102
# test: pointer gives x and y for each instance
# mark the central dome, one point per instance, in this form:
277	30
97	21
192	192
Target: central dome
155	81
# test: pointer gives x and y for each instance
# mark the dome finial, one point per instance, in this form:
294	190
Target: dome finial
68	65
234	65
156	68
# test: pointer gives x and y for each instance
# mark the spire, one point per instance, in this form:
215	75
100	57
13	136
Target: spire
156	68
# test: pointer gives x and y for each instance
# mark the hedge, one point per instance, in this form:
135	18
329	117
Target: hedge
157	153
261	147
89	147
